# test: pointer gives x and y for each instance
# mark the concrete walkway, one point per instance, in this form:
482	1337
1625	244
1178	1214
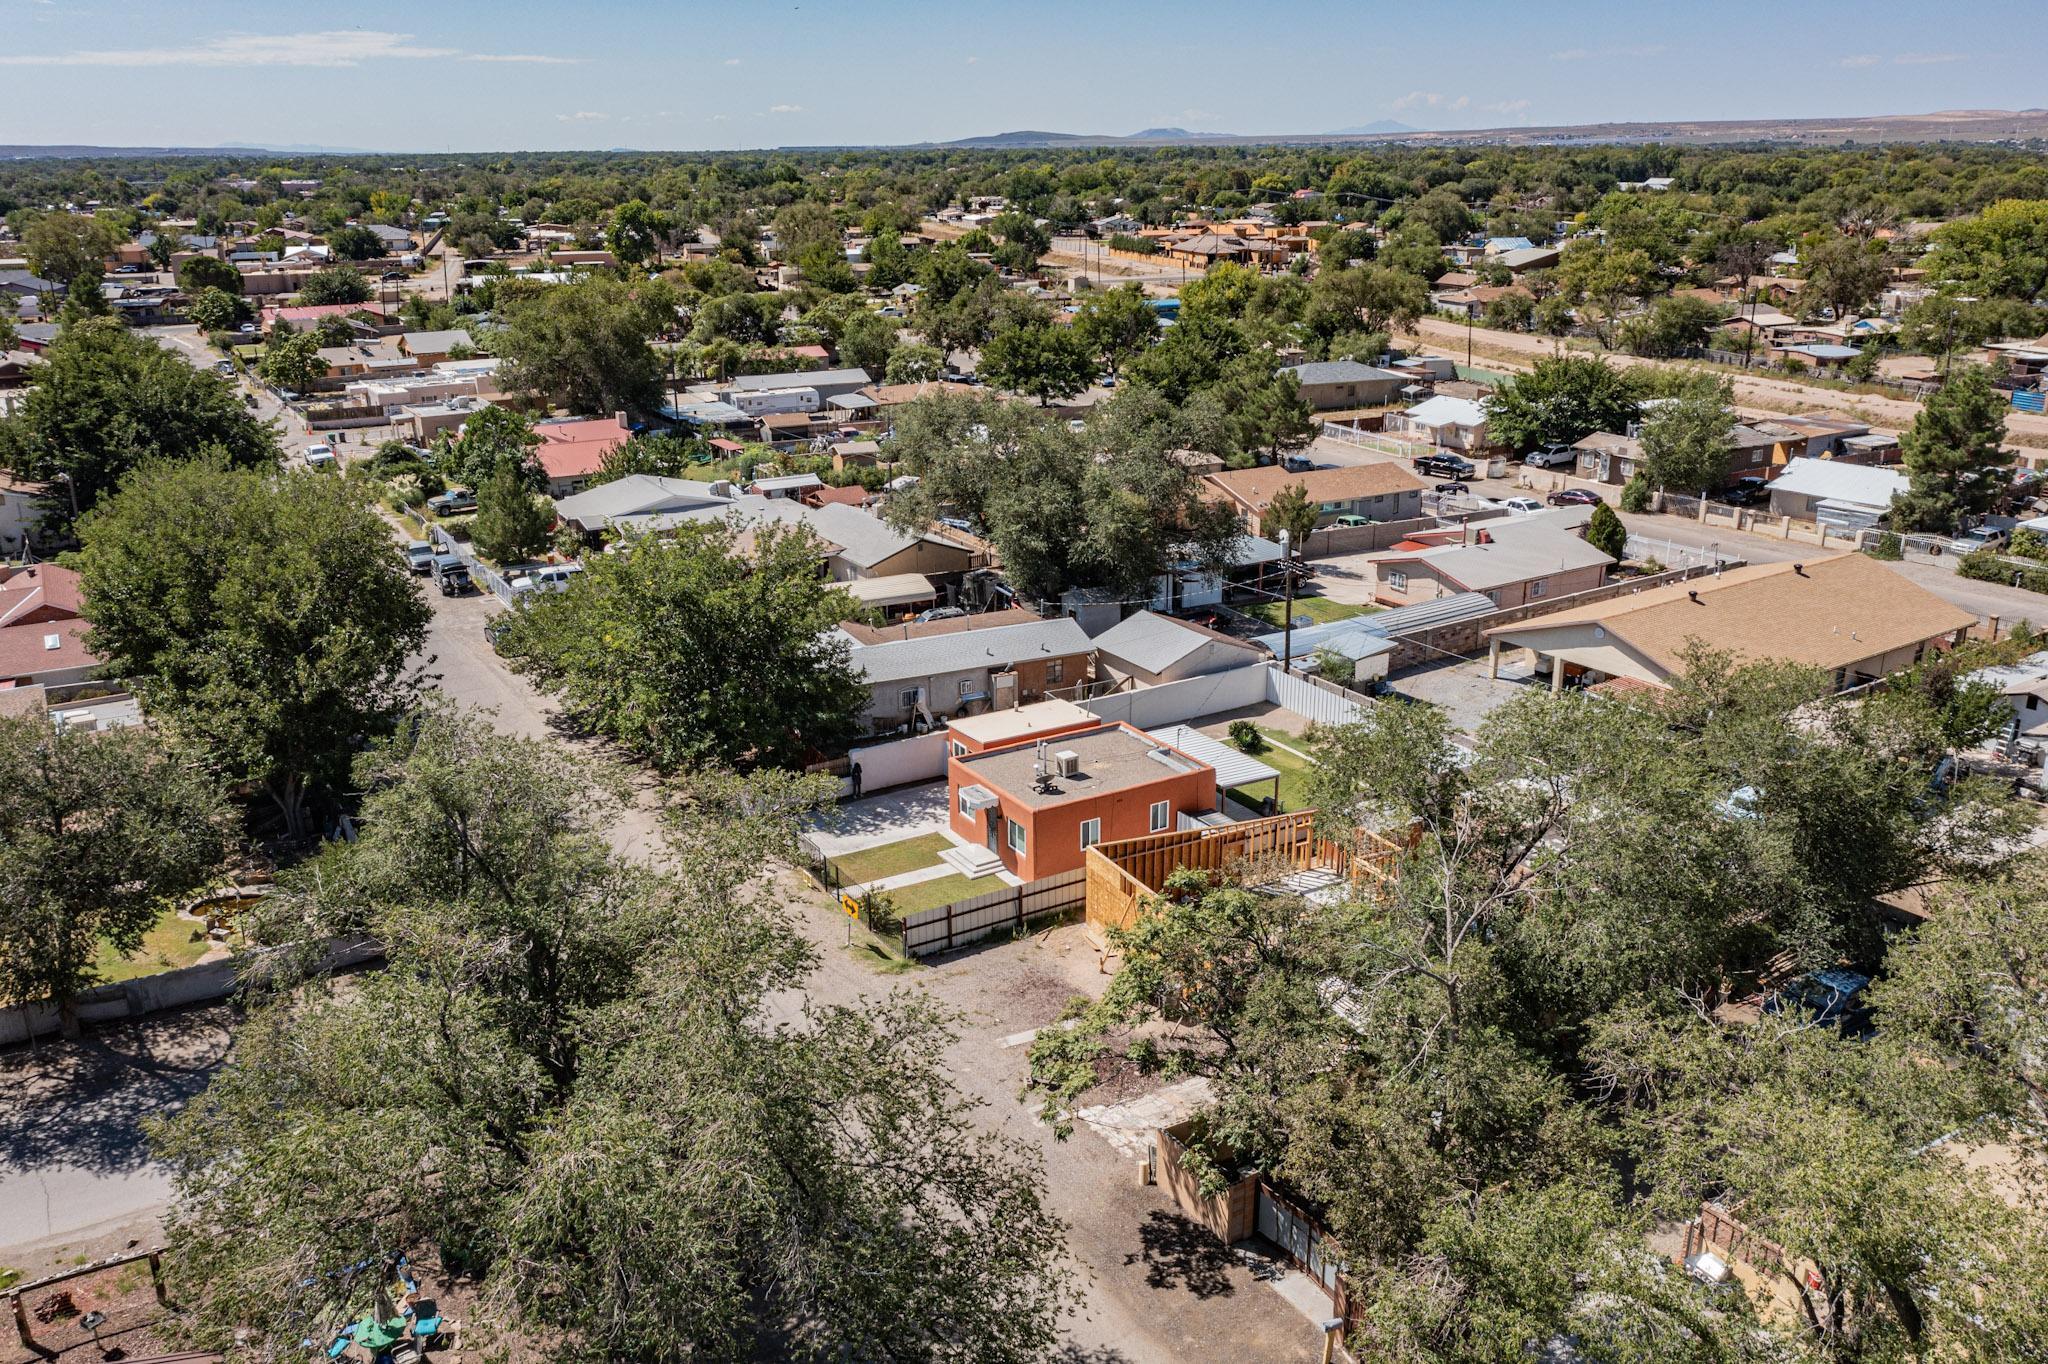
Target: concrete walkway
891	818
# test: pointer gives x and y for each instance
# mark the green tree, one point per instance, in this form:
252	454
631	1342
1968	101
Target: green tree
511	522
196	274
635	232
1953	454
1042	359
1673	326
585	345
264	618
1117	324
217	310
106	401
1687	439
291	360
890	262
1843	274
914	365
1371	298
1604	278
491	438
98	834
1606	533
663	453
70	248
160	248
1108	507
355	243
640	649
2000	253
1291	511
335	284
1562	400
630	1152
1023	241
865	342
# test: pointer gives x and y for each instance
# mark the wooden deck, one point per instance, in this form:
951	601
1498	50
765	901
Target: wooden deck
1121	875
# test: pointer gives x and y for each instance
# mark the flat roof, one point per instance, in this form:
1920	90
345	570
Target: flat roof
1113	758
1021	723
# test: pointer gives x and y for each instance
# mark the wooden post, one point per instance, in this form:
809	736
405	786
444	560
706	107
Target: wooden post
156	1276
21	1328
1493	660
1556	674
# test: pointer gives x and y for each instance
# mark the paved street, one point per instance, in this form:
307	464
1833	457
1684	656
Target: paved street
73	1160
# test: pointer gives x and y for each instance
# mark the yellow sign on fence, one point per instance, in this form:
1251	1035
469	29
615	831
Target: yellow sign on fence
850	905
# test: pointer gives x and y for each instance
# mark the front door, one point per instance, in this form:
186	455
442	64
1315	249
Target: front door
992	823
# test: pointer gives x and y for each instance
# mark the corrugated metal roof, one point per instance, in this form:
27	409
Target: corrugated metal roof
1233	769
1402	620
907	660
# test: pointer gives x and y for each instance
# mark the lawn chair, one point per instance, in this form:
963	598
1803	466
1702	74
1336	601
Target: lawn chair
426	1321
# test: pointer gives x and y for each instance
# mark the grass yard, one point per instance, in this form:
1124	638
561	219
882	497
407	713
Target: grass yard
1321	610
943	890
1293	774
890	859
171	942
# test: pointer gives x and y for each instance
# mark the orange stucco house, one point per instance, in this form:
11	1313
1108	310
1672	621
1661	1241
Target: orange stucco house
1040	805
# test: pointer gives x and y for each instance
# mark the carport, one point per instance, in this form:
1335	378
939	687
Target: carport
1235	771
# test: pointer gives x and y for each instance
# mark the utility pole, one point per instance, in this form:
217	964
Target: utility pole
1287	612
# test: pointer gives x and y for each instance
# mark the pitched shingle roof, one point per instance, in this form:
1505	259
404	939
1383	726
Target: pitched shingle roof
1257	487
909	660
1825	613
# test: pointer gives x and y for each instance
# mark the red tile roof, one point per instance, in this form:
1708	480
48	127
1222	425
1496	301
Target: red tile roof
39	604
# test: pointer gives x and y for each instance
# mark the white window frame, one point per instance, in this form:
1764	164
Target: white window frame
1538	588
965	813
1397	581
966	687
1161	815
1016	838
1091	830
1056	671
907	698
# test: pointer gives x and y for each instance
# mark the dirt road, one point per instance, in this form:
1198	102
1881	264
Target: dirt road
1756	395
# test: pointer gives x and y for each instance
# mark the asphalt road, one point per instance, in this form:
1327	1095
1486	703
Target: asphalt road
73	1159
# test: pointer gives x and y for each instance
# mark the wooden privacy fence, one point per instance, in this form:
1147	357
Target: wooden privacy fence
929	932
1121	874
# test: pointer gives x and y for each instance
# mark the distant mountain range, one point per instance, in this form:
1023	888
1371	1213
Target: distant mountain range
1950	125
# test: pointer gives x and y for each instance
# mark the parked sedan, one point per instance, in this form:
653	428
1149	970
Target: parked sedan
1449	490
1552	457
1573	497
419	557
1744	492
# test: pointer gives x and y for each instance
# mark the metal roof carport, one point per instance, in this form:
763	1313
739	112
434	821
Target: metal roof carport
1234	770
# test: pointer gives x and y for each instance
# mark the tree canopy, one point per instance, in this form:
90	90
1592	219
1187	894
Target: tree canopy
267	620
1562	400
585	345
1953	454
642	648
607	1121
105	400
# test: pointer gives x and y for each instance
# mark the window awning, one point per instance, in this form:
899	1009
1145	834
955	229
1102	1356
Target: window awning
975	799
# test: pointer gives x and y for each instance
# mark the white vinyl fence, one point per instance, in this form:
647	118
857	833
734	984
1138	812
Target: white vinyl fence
899	762
1170	703
929	932
1323	702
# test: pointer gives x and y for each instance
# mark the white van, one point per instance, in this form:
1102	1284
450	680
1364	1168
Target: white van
319	457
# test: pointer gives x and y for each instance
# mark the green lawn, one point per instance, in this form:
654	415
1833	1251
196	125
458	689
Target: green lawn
1321	610
943	890
170	943
1293	774
890	859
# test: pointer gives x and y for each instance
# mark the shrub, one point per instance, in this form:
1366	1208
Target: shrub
1246	736
1635	495
1886	546
1988	567
1141	246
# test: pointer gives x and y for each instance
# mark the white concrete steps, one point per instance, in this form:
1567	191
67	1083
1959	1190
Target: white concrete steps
972	861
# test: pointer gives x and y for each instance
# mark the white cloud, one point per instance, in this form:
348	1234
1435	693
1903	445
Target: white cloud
1506	106
1417	99
721	118
530	58
332	48
1860	59
1926	58
582	116
732	61
1461	101
972	60
785	108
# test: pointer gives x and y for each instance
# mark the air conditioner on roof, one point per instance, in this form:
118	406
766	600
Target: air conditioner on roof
1067	762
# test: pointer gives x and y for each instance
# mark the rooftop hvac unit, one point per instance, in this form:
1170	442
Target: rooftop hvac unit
1067	762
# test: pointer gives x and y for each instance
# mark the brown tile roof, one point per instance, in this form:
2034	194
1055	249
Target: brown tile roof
1256	488
1826	613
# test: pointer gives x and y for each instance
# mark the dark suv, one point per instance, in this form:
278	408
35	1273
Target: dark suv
1445	466
1744	492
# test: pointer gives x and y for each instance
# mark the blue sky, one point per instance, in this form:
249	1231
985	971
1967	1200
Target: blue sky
434	75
